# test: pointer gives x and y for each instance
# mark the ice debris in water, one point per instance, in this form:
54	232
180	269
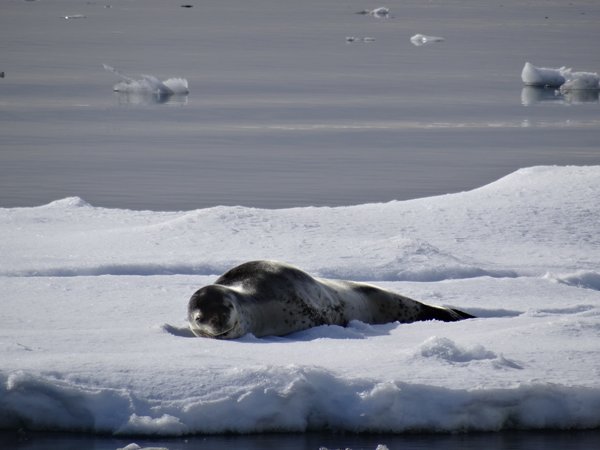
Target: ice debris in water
148	84
422	39
359	39
563	78
380	12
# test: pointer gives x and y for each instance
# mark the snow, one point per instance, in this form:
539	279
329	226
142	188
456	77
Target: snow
93	334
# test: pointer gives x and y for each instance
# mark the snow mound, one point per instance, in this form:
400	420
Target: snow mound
134	446
583	279
69	202
448	350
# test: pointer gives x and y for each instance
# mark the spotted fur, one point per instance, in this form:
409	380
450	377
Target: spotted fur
271	298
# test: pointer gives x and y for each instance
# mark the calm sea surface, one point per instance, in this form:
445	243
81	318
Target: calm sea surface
282	111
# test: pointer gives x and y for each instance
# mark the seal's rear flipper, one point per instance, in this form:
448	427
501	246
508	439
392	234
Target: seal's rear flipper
463	315
443	314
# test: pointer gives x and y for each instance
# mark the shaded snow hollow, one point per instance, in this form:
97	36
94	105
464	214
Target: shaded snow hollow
93	326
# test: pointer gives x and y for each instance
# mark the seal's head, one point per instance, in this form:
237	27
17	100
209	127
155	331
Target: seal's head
213	312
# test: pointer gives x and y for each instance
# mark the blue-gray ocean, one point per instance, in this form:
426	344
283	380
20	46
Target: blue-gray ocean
284	110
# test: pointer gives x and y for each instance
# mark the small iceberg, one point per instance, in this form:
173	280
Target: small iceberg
564	79
149	84
422	39
380	13
542	76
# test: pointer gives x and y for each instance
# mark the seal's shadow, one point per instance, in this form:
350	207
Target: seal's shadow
178	331
354	330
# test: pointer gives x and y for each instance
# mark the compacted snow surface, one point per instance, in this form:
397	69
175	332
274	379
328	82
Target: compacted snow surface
93	334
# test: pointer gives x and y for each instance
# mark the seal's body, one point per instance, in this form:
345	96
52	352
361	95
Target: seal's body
270	298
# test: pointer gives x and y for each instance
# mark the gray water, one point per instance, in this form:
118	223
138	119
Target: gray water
282	111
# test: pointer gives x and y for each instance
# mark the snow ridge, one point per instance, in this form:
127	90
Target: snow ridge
313	400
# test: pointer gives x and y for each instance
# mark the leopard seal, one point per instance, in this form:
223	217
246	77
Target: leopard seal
267	298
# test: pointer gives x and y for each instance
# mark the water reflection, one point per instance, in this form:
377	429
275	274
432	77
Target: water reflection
150	98
531	95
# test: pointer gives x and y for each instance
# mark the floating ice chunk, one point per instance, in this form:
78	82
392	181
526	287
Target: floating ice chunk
149	84
564	78
580	81
542	76
359	39
179	86
380	13
422	39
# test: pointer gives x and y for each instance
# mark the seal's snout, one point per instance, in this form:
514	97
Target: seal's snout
211	313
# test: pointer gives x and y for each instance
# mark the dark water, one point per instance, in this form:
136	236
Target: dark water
282	110
522	440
